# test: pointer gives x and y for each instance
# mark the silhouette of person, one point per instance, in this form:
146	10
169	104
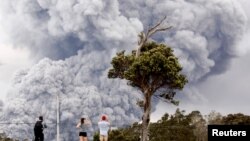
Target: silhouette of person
38	129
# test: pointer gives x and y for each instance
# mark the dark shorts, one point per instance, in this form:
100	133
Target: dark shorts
84	134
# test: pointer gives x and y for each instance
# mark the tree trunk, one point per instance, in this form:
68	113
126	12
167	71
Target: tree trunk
146	116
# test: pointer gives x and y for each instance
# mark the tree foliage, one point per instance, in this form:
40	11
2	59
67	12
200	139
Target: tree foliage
96	136
155	68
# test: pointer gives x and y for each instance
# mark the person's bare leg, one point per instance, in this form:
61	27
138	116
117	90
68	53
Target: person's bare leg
101	138
81	138
85	139
105	138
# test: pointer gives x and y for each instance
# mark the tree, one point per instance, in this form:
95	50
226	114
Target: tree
236	119
153	69
199	125
214	118
176	127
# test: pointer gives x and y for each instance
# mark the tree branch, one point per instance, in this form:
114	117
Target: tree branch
143	38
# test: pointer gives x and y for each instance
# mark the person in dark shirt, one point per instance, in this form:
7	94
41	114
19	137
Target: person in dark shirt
38	129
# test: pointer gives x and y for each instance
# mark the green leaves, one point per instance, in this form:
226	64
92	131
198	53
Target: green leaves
156	67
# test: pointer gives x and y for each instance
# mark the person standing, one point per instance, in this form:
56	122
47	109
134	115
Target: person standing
38	129
82	126
104	127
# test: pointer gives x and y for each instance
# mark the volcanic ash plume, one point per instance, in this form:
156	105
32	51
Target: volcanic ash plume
86	35
37	88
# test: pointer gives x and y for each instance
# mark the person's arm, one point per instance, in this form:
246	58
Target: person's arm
109	125
98	125
78	125
44	125
88	122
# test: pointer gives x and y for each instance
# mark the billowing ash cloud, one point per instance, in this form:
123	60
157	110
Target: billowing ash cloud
58	29
36	90
87	34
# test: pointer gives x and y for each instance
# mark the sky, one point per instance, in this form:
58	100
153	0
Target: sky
57	54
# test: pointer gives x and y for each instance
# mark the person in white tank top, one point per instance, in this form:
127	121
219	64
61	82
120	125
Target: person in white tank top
104	127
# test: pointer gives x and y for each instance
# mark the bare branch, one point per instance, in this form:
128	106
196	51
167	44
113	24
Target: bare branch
151	30
143	38
163	29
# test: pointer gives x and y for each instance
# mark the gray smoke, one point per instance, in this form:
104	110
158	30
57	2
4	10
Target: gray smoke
58	29
36	90
87	34
245	43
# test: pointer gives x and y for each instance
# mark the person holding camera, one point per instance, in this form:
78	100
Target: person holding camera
104	127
